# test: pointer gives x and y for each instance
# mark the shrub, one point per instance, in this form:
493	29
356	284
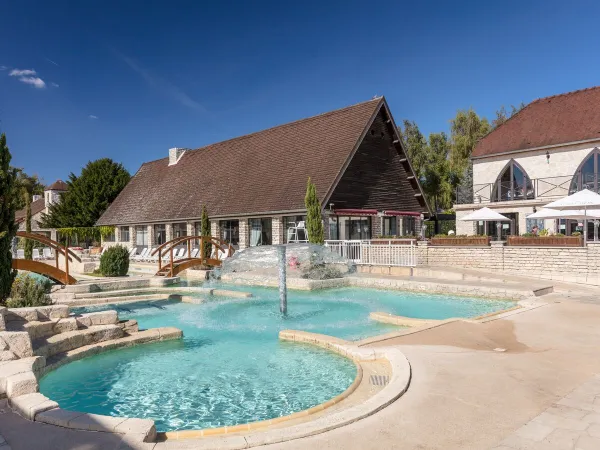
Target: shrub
576	233
114	262
29	291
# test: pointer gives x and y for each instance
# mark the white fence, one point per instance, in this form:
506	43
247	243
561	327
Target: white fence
377	252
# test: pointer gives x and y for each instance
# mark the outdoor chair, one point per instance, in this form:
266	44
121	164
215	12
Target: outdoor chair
149	258
47	253
195	253
183	254
20	253
142	255
36	254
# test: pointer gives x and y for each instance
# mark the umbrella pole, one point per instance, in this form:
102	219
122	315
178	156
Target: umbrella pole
585	225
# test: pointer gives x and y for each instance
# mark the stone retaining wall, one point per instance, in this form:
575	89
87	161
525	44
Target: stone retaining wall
575	264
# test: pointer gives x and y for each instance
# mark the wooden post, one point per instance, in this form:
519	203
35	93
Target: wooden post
171	255
189	255
67	261
159	259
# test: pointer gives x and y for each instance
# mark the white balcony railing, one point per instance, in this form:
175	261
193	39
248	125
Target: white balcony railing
377	252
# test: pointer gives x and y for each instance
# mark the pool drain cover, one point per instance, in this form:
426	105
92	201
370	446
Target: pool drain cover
379	380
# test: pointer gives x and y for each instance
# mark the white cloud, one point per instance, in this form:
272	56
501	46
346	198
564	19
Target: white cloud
27	76
53	84
21	73
52	62
3	67
91	116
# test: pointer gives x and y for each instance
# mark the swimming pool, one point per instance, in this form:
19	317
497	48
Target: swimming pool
230	367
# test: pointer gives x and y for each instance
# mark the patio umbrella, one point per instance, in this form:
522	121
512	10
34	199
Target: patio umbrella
584	199
485	215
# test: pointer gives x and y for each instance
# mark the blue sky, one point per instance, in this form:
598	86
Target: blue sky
130	79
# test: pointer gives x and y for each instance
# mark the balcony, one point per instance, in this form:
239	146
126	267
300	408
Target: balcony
542	189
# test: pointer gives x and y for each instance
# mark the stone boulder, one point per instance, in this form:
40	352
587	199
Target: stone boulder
18	342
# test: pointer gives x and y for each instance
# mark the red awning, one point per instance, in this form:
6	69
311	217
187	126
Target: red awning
355	212
401	213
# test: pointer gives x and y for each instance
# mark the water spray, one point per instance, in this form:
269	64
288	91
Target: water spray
282	279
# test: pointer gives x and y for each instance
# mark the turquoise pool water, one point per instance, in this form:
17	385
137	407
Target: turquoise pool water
230	368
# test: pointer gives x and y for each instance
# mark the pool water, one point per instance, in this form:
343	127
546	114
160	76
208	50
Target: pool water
230	367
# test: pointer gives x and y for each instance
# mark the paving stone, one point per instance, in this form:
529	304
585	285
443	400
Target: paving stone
29	405
95	422
594	430
141	427
554	421
567	412
587	443
534	431
591	418
57	416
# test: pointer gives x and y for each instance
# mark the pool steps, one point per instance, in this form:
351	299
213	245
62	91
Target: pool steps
40	339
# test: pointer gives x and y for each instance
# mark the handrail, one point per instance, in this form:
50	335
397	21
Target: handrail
177	241
49	242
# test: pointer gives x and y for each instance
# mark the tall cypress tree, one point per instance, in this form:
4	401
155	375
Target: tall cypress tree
205	231
28	242
8	227
314	219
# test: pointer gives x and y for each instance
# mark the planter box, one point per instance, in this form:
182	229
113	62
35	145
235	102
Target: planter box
462	241
546	241
392	241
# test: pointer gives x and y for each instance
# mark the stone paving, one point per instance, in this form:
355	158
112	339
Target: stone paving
572	423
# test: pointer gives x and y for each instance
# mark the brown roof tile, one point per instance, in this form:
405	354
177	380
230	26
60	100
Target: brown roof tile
58	185
570	117
260	172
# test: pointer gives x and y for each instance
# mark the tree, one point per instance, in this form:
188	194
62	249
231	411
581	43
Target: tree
88	195
205	231
436	172
465	131
27	186
415	145
8	227
314	219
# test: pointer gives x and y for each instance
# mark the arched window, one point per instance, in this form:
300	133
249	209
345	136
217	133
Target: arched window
586	176
513	183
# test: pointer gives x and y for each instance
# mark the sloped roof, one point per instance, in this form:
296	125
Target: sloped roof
257	173
36	207
58	185
559	119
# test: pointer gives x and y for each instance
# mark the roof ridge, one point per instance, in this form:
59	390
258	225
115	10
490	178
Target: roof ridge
294	122
564	94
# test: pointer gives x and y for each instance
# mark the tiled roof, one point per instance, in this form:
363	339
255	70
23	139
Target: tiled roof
36	207
58	185
256	173
570	117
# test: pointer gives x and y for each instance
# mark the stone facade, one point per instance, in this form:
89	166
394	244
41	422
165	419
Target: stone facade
577	264
277	230
244	234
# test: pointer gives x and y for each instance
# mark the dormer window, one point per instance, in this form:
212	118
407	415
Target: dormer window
513	183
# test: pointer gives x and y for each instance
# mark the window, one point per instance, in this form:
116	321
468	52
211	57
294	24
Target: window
160	234
179	230
512	184
354	227
390	227
409	226
586	176
260	231
294	229
124	234
110	237
230	231
333	228
141	236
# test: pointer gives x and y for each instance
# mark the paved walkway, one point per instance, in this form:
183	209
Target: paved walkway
573	423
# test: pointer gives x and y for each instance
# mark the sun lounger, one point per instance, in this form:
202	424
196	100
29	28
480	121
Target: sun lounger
20	253
47	253
36	254
150	258
142	255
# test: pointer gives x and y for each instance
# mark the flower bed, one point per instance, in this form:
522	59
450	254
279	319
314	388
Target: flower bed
461	240
545	241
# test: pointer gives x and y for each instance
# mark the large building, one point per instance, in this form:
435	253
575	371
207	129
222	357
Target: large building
40	205
546	151
253	186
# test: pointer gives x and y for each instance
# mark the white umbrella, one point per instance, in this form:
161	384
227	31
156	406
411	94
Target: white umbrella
485	215
585	200
548	213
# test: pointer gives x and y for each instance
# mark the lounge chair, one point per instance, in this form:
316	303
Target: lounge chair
36	254
47	253
183	254
132	252
20	253
149	258
195	253
142	255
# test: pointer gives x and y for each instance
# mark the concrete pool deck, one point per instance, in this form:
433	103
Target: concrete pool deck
464	394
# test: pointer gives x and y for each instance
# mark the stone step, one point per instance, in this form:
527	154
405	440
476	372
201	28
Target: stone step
42	329
29	405
15	375
129	326
64	342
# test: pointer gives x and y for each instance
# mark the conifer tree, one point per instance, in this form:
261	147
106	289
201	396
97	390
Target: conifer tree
8	227
205	231
314	218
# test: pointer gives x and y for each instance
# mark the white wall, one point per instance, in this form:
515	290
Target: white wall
563	161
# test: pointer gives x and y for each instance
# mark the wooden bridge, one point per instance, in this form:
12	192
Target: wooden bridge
210	250
49	271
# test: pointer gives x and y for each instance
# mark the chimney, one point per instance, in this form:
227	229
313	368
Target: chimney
175	155
36	198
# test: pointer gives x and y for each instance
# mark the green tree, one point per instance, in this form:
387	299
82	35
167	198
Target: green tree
436	179
415	145
502	115
314	218
8	227
88	195
205	231
28	186
465	131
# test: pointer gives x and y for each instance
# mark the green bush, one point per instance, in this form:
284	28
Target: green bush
114	262
29	291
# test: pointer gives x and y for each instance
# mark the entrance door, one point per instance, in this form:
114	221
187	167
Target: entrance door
507	228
